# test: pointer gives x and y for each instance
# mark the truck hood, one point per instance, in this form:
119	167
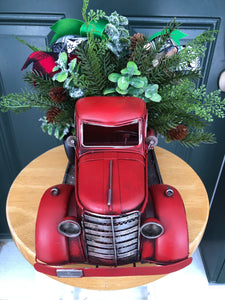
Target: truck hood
111	183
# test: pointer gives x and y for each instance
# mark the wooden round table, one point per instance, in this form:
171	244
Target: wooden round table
48	169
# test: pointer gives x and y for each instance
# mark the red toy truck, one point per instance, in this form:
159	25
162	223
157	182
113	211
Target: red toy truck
111	216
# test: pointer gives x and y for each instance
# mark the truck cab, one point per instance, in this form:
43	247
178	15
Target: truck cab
111	174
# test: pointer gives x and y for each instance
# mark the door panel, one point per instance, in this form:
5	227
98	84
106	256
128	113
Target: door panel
20	134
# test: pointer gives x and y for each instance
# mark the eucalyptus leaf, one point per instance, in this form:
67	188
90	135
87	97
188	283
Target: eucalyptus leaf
61	77
152	88
132	90
44	127
56	68
135	91
63	59
156	98
123	83
72	64
56	134
145	81
124	71
137	82
67	83
50	129
132	68
122	92
109	91
113	77
61	134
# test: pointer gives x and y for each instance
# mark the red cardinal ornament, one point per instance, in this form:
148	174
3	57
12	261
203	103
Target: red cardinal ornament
43	62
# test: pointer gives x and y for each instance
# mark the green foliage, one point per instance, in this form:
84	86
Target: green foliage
196	137
96	63
184	104
94	16
69	75
25	100
39	98
59	130
91	18
84	11
119	39
33	48
130	82
39	83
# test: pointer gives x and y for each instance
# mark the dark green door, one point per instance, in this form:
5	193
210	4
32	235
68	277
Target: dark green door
21	139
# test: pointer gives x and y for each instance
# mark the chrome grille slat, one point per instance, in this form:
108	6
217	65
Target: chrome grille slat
112	239
94	232
100	250
125	232
109	233
124	218
126	249
126	237
125	244
99	245
99	255
98	227
130	253
126	225
99	221
99	238
106	227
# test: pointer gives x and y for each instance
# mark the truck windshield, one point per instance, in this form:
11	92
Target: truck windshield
97	135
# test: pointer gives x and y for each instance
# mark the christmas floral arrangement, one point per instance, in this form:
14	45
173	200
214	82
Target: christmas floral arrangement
98	57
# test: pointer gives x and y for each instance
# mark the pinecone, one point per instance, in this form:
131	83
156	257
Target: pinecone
178	133
58	94
136	38
52	113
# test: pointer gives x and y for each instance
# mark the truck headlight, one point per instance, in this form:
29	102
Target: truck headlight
69	227
152	229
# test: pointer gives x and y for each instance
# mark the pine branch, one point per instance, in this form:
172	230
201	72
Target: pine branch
96	65
40	82
33	48
183	104
196	137
20	102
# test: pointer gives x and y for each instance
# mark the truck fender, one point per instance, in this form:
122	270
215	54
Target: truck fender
173	244
51	245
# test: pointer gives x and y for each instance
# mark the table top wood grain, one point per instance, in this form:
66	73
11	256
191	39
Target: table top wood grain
48	169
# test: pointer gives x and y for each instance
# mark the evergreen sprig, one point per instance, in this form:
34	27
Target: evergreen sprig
184	104
33	48
96	64
25	100
196	137
41	83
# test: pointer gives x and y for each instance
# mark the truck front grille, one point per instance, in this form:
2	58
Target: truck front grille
111	240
